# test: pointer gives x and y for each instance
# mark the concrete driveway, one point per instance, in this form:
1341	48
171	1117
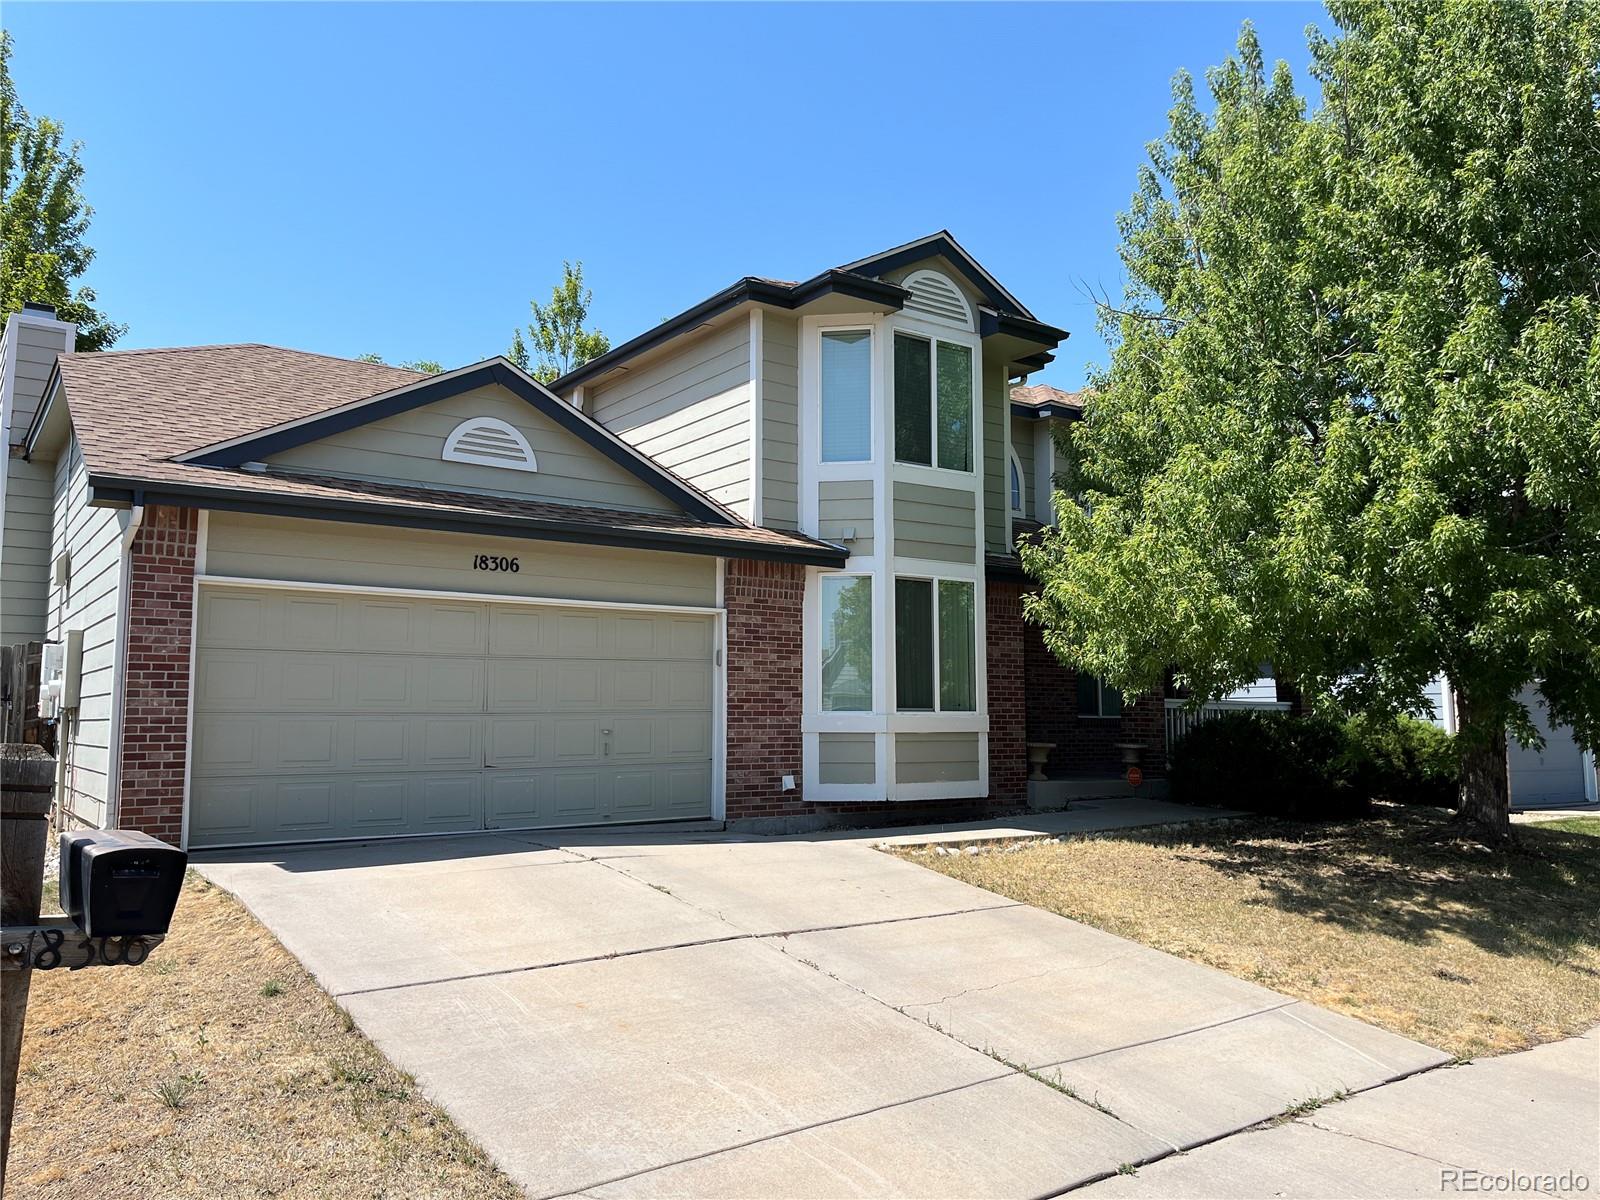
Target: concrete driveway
700	1015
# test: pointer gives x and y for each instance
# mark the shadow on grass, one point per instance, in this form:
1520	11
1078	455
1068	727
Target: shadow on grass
1401	875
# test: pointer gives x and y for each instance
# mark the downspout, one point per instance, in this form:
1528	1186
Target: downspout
119	671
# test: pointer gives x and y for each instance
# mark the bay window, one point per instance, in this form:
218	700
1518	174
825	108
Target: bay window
846	611
935	658
932	402
846	370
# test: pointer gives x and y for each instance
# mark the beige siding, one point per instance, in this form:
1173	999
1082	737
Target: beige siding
846	758
36	348
690	411
255	547
25	551
92	537
1022	433
844	504
936	757
780	421
934	523
410	447
996	407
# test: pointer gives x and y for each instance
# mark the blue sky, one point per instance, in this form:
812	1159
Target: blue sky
401	178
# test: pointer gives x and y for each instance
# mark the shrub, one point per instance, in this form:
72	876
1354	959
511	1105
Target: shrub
1266	763
1405	760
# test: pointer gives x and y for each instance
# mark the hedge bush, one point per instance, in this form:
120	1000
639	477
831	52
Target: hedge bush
1405	760
1267	763
1312	768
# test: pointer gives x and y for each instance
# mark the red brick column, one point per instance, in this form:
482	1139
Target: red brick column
155	688
766	625
1008	752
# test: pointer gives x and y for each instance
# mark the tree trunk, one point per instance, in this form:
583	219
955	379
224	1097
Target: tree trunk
1485	808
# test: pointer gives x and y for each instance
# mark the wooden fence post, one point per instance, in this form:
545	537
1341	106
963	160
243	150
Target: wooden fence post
27	787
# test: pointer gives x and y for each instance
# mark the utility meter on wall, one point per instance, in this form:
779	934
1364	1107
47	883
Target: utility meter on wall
60	674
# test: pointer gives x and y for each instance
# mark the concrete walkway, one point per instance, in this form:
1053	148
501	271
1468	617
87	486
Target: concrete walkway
1530	1119
703	1015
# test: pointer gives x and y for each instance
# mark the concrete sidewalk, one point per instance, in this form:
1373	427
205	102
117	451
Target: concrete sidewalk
1529	1119
658	1014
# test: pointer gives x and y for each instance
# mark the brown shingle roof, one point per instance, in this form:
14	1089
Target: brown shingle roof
1038	395
134	411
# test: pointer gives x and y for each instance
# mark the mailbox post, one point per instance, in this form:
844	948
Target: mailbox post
119	889
27	786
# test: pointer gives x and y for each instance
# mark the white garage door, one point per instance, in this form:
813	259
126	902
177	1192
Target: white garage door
332	715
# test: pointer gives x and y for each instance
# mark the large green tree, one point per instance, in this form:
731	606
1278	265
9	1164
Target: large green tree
557	337
1351	422
44	218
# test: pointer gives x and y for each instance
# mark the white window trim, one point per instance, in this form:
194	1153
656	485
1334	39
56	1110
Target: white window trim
935	334
454	453
814	343
1018	509
883	564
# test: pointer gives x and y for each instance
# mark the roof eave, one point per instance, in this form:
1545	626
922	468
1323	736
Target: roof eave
749	290
112	490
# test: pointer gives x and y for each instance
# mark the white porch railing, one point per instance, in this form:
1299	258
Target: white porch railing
1181	718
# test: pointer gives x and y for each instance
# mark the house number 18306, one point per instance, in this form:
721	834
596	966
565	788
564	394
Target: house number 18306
492	562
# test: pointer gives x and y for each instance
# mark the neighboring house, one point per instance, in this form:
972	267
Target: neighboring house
1561	775
755	565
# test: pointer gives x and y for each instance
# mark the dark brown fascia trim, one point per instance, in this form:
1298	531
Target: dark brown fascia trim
116	492
747	290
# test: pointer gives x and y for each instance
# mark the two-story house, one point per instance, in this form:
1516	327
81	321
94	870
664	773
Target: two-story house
755	566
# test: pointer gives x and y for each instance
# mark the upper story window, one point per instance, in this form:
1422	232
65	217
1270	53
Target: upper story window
1016	483
932	402
489	442
846	369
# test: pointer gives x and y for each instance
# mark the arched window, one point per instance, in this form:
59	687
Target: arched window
1016	483
934	298
489	442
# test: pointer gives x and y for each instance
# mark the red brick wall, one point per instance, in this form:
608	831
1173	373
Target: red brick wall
1008	752
766	648
766	621
1086	745
155	688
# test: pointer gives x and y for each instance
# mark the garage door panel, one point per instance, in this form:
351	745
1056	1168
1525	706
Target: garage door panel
578	634
380	805
452	801
310	623
517	741
574	738
327	715
575	795
685	789
518	683
688	684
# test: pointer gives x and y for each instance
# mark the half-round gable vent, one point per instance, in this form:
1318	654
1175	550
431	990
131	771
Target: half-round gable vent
934	298
489	442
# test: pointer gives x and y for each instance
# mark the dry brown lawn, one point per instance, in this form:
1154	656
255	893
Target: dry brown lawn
1389	920
219	1068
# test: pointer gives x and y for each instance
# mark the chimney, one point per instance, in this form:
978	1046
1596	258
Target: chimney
33	338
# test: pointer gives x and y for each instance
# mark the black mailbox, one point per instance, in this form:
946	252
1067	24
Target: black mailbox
115	882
